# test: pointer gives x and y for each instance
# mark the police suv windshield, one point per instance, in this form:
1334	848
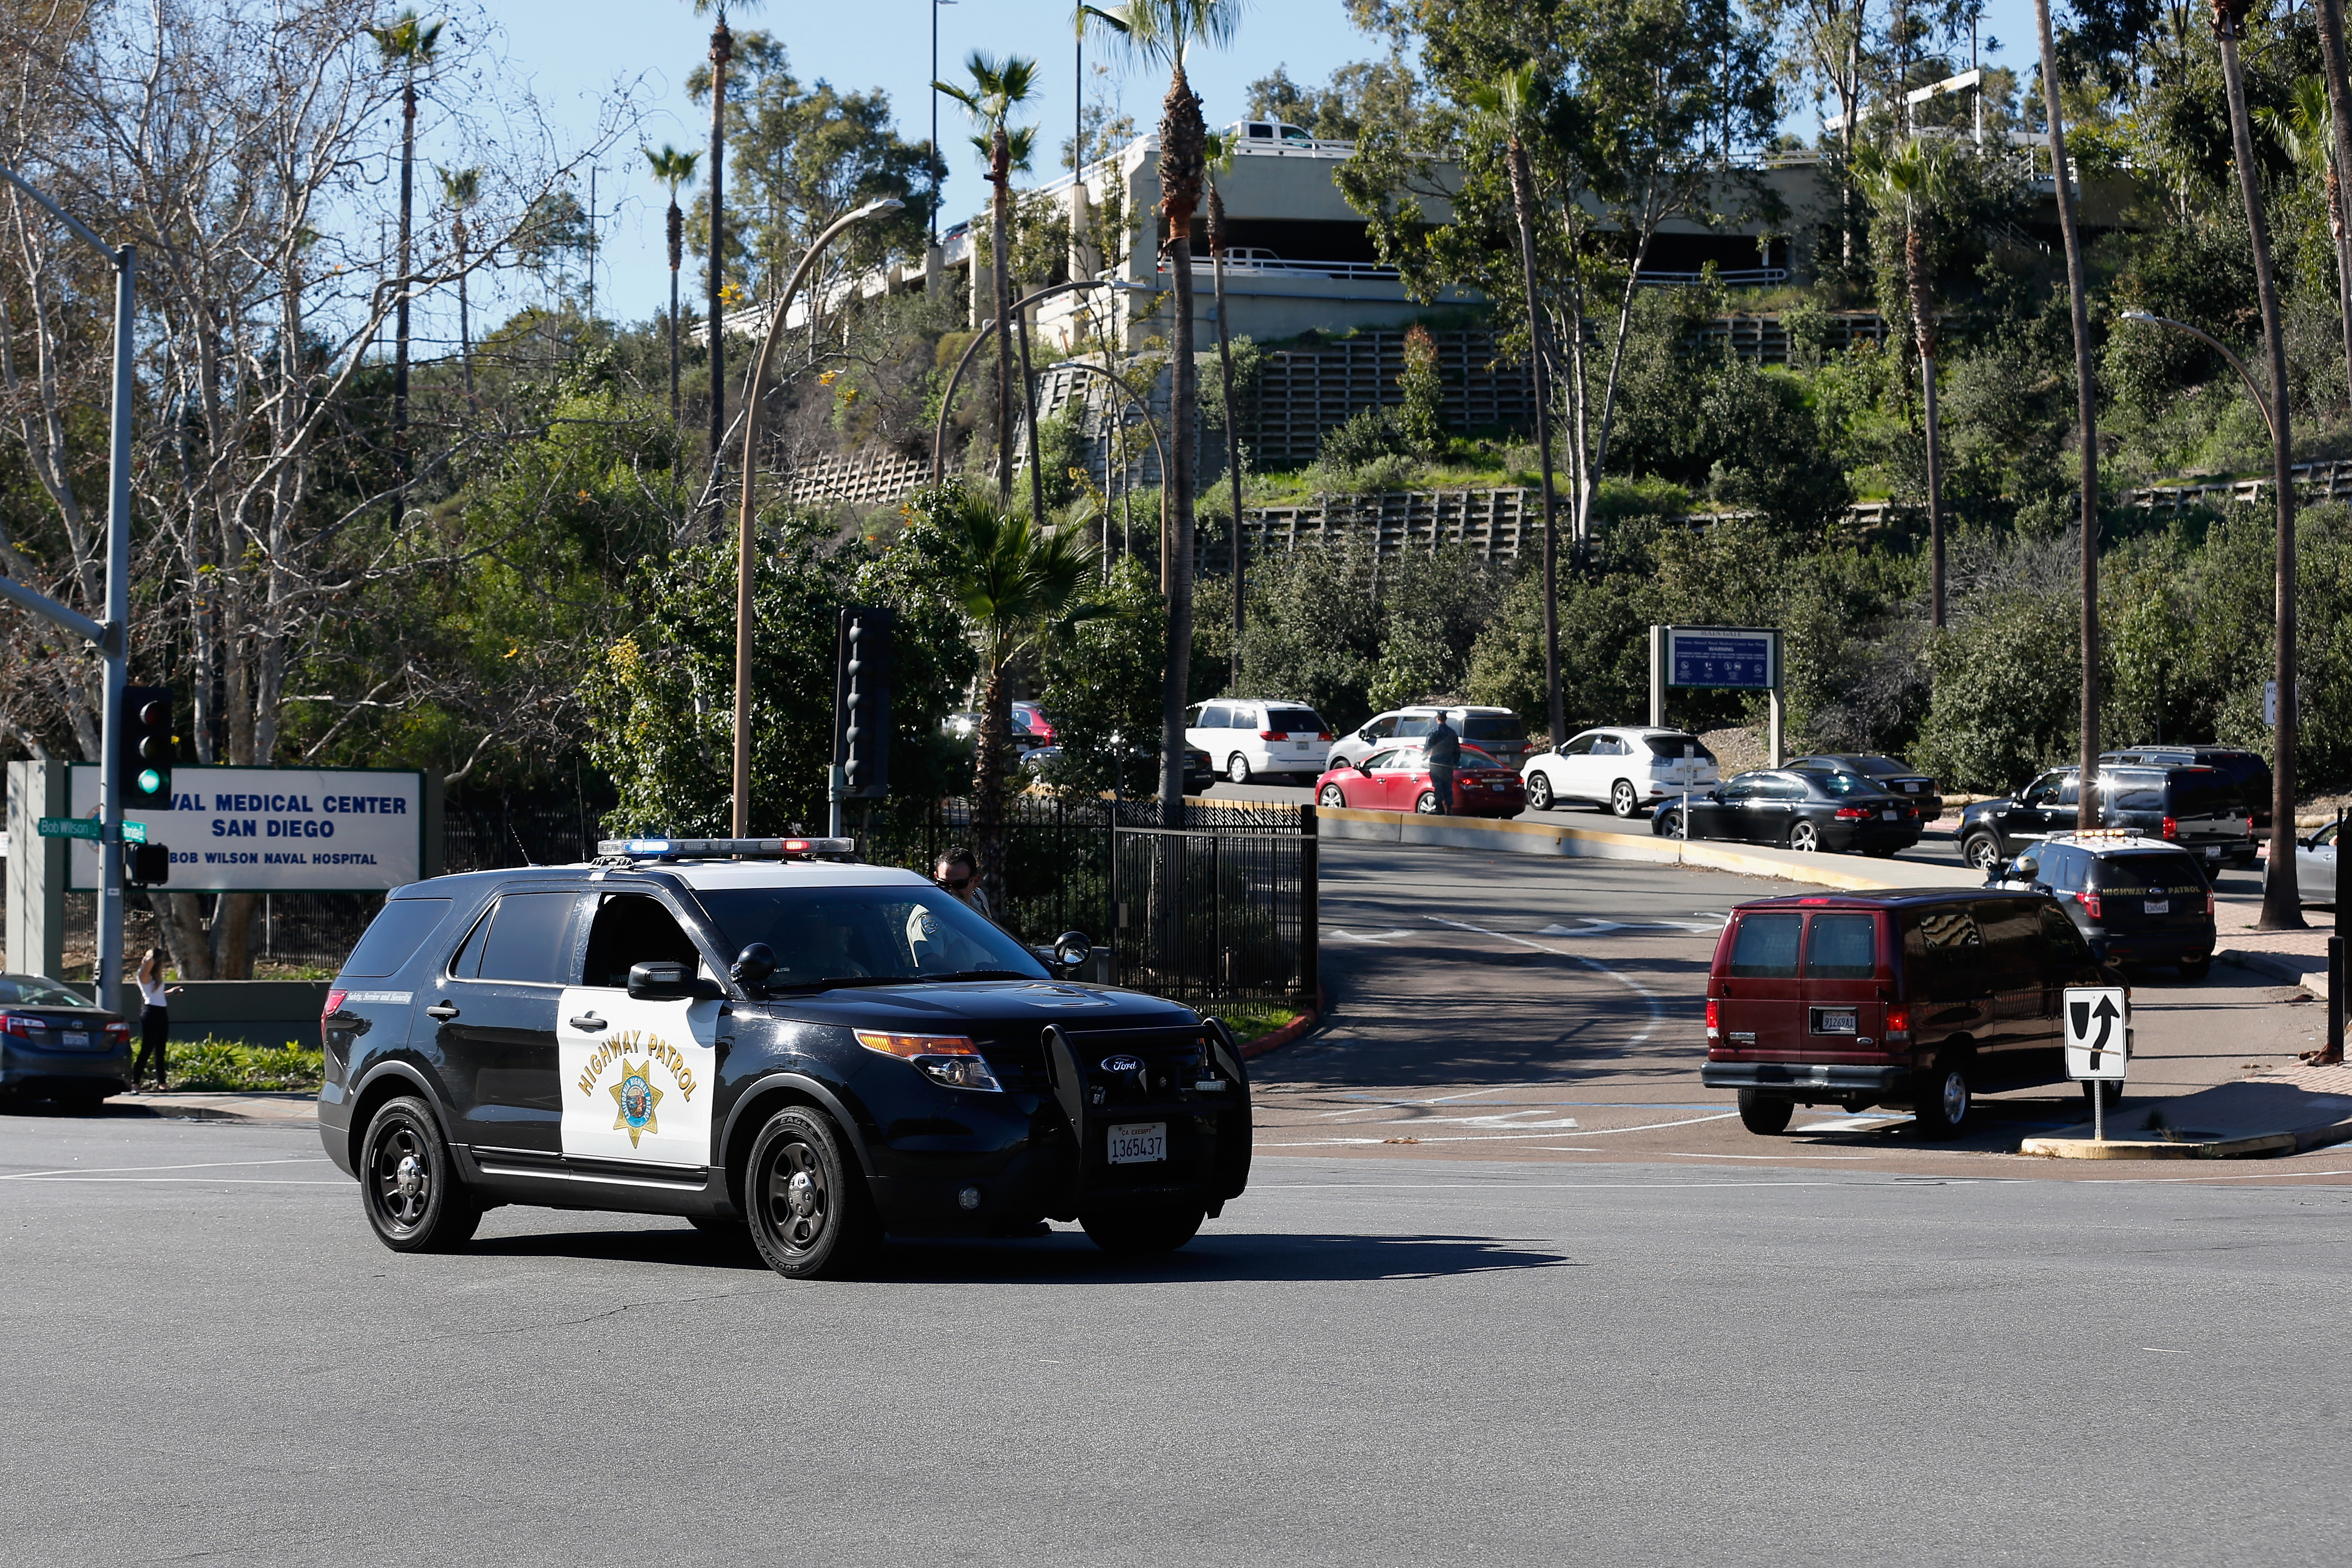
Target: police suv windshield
867	936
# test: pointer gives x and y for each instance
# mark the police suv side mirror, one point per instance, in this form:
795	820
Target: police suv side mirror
661	981
753	964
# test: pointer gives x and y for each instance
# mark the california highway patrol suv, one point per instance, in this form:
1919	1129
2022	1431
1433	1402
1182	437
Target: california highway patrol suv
873	1058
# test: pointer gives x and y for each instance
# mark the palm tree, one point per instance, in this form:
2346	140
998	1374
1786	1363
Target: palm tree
2305	129
2281	904
1218	148
1161	30
460	189
1905	185
722	50
1021	587
997	87
674	169
1509	105
405	45
2086	811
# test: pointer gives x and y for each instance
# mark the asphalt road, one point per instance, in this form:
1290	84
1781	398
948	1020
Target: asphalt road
1390	1362
1532	1009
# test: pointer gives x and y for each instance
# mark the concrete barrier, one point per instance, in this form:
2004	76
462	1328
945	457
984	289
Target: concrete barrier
1516	836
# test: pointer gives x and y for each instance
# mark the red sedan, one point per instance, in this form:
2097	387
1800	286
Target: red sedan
1396	778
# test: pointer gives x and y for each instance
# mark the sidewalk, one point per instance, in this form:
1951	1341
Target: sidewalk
290	1106
2295	957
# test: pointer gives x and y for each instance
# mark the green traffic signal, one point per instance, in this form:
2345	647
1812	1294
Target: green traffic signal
149	782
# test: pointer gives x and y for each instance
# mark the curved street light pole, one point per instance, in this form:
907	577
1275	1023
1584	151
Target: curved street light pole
743	521
2254	388
1159	447
111	639
955	378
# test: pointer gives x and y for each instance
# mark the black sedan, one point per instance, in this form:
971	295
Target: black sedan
54	1046
1803	808
1889	774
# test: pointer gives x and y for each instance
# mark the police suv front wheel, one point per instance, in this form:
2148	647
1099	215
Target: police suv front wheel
409	1185
1154	1229
808	1205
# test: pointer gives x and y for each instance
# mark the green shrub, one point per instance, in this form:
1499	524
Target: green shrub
230	1066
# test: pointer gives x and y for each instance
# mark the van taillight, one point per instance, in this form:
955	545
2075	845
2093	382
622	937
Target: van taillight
1272	735
1898	1021
2090	902
2171	828
1714	1019
2208	904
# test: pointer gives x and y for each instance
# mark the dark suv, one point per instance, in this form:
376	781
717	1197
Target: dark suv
2199	809
875	1057
2242	768
2135	899
1915	1000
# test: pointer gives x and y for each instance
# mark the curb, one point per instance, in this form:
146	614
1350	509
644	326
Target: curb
2158	1149
1515	837
1275	1039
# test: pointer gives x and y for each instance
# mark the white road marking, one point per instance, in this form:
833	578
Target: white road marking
1595	928
1652	1126
1857	1123
115	1169
185	1181
1657	1012
1378	937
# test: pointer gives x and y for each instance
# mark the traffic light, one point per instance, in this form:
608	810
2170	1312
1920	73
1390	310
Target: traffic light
146	865
861	702
145	758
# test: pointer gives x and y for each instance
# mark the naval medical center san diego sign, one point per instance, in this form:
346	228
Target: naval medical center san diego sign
275	830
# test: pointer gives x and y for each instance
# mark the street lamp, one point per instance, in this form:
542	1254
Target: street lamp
743	518
113	639
937	161
2254	388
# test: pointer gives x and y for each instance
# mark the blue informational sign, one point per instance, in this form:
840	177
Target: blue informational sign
1741	659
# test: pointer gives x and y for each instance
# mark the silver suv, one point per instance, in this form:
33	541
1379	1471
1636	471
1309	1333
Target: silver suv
1494	730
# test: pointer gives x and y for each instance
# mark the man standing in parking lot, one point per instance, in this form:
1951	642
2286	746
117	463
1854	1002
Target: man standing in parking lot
1443	748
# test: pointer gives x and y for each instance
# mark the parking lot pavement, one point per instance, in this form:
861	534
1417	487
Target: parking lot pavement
1447	1362
1550	1011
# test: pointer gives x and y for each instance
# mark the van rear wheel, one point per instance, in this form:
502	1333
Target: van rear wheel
1764	1115
1945	1097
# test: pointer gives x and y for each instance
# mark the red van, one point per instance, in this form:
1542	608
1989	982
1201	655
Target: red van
1915	1000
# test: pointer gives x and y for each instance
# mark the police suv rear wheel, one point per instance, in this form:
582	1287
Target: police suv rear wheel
809	1211
409	1185
1135	1231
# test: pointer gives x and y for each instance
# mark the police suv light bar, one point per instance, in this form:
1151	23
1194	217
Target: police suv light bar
716	849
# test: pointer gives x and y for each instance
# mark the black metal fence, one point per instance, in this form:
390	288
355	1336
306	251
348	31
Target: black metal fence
1220	907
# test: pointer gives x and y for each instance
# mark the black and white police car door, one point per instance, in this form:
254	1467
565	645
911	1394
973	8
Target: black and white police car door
638	1076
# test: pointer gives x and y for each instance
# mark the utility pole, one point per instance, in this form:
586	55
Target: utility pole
113	639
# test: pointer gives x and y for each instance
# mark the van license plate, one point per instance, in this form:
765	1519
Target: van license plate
1833	1021
1138	1143
2157	906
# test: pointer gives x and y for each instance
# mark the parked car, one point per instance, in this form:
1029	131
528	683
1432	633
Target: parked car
1142	768
2196	808
54	1046
1894	776
1804	808
2135	899
1247	736
1916	1001
2243	768
1624	769
2315	864
1396	778
965	727
1497	732
1032	721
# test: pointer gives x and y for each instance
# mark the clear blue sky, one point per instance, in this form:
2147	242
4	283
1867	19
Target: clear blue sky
577	52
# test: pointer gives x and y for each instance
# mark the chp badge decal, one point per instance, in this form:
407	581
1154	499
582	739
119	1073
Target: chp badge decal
636	1097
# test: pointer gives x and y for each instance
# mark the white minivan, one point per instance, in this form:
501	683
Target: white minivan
1623	769
1245	737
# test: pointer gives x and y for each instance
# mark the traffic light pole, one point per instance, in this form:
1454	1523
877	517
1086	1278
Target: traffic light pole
111	639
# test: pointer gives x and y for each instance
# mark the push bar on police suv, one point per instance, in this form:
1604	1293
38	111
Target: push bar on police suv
722	848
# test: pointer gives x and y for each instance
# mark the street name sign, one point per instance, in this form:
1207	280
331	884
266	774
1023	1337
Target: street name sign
2098	1032
69	827
271	830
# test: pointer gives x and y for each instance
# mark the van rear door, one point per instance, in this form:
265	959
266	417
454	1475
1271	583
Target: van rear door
1763	1008
1842	1007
